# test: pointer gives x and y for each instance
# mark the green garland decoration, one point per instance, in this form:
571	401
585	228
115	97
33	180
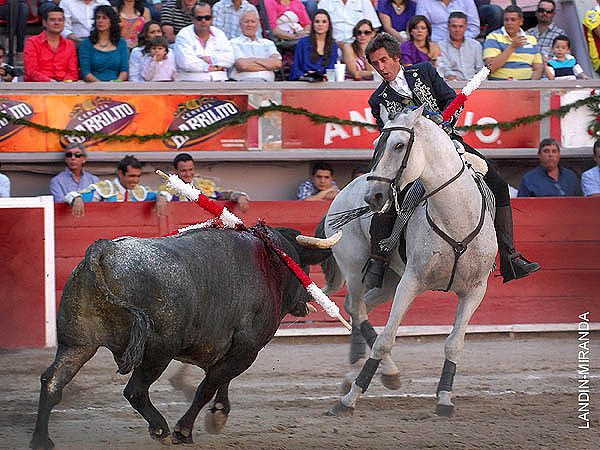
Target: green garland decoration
593	102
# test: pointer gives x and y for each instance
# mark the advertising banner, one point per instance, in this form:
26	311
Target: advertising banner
482	107
122	114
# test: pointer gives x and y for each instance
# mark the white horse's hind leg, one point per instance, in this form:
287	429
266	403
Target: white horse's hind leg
455	342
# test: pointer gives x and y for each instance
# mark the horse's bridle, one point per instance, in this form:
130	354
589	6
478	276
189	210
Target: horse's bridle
409	145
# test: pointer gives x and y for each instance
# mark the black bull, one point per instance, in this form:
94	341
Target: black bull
211	297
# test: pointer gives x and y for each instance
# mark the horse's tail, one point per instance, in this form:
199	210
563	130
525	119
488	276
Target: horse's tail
140	322
334	280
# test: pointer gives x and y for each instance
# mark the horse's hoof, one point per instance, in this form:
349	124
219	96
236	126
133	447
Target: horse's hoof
345	387
444	410
391	382
41	444
178	438
214	421
340	410
160	435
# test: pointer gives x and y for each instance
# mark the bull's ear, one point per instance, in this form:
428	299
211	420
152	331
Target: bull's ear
384	114
414	115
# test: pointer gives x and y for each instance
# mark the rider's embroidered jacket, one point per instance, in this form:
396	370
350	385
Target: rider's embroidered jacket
427	86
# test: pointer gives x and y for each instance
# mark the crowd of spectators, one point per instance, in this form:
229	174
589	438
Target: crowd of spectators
98	40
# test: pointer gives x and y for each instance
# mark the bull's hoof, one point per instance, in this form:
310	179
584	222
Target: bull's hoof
160	435
340	410
214	421
444	410
391	382
178	438
41	444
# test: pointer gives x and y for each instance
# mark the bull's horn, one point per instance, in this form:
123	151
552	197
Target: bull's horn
313	242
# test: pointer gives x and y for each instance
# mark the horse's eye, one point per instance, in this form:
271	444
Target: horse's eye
399	146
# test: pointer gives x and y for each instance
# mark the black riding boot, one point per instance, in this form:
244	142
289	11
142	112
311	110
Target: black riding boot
381	228
512	264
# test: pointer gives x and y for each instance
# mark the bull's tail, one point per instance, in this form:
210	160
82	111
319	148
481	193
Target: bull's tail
334	280
140	322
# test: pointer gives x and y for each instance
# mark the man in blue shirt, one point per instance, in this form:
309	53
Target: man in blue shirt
73	178
549	179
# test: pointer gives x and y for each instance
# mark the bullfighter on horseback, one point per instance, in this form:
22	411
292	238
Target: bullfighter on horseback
416	85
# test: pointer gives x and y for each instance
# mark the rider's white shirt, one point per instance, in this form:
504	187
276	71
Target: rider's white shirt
400	85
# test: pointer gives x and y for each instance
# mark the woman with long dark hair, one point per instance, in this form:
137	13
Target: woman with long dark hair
354	54
133	15
419	48
103	56
317	51
136	59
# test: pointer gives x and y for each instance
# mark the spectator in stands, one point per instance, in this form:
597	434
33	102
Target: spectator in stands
21	14
278	8
592	34
125	187
7	72
256	58
438	11
394	16
174	16
186	170
45	5
4	186
228	16
512	54
462	55
590	179
317	52
73	178
161	66
320	186
419	47
545	31
549	179
345	14
50	56
79	16
490	16
104	56
358	171
563	66
202	52
140	56
133	15
354	54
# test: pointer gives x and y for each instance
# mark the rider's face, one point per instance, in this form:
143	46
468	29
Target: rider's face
387	66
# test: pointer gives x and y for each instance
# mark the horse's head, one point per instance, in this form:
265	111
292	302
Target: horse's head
394	159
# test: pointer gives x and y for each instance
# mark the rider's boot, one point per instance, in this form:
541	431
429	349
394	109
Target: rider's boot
377	264
512	264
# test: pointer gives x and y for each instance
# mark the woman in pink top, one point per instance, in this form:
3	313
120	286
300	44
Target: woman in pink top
276	8
133	15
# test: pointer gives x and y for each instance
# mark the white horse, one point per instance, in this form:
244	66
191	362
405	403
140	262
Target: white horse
415	149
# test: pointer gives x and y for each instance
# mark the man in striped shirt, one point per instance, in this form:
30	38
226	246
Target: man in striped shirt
512	54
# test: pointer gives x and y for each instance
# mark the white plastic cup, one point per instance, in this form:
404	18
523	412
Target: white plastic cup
330	74
340	72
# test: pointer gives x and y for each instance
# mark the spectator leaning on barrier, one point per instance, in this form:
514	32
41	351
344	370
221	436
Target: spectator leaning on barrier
124	188
4	185
320	186
549	179
140	56
202	52
73	178
228	16
161	66
563	65
462	55
438	11
591	30
590	179
256	58
186	170
354	54
546	31
346	14
50	56
79	18
512	54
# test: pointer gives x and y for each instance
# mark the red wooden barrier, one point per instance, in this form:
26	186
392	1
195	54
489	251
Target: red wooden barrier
560	233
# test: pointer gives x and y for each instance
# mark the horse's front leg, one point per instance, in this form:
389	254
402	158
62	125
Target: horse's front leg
455	342
406	291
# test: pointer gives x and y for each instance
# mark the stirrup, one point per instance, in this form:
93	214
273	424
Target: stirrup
374	271
519	267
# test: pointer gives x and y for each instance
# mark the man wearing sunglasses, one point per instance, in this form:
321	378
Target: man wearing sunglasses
545	31
202	52
73	178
